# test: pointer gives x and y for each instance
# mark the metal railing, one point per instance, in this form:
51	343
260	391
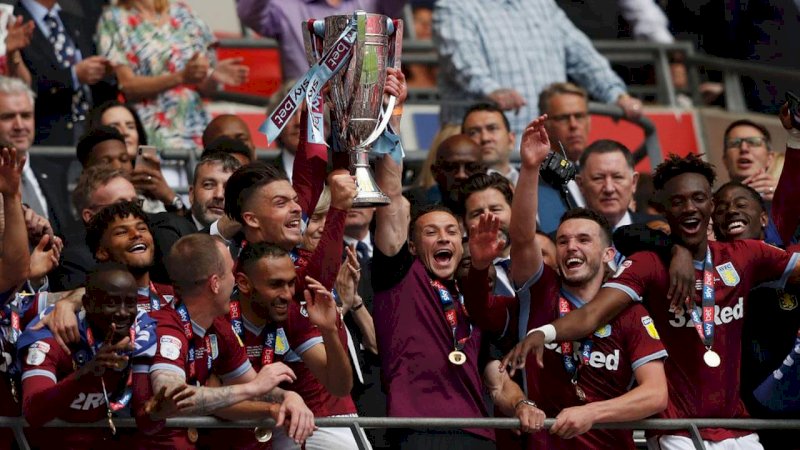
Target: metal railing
358	424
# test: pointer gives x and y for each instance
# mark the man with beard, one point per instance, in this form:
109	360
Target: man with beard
457	158
702	373
493	194
92	381
595	387
207	199
274	328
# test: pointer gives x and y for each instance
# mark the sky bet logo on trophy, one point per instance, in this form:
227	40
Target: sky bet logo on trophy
351	53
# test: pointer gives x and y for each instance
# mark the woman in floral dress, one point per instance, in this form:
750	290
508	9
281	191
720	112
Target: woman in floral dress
164	60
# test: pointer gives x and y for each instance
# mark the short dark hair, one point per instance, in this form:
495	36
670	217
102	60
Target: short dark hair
486	107
227	144
482	181
588	214
606	146
94	280
423	210
228	162
192	259
95	118
745	122
100	222
736	184
94	136
244	182
90	180
252	253
675	165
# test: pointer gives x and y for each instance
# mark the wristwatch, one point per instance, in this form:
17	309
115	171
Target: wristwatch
175	205
525	401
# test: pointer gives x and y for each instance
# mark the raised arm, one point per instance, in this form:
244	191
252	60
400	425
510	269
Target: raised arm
577	324
392	220
14	256
525	253
785	208
647	398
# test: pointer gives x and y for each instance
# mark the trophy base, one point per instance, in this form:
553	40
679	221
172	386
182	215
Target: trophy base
370	200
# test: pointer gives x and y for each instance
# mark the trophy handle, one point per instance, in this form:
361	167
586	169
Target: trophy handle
395	50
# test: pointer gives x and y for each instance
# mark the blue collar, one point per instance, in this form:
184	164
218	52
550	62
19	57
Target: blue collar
572	298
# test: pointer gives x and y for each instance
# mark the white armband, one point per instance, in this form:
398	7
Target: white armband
548	331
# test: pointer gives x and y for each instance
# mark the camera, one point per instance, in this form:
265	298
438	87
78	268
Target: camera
557	170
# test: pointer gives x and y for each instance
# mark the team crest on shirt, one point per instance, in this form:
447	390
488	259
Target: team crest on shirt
214	346
625	264
728	274
650	327
37	352
604	331
281	342
786	301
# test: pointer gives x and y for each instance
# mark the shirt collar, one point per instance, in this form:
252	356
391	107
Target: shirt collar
626	220
572	298
198	330
367	241
196	223
37	10
251	327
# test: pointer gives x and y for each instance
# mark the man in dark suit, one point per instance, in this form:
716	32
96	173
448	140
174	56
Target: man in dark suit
44	183
67	75
608	180
207	197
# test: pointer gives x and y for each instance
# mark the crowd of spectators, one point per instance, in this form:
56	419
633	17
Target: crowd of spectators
566	286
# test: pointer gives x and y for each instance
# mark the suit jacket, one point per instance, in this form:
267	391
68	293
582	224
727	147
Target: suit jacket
52	178
76	262
278	162
53	83
166	229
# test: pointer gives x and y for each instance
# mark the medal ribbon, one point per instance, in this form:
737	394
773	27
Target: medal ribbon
567	349
703	318
155	298
187	331
122	396
450	314
270	334
331	62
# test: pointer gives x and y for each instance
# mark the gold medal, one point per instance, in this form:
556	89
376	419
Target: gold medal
192	434
457	357
263	434
711	358
579	391
111	423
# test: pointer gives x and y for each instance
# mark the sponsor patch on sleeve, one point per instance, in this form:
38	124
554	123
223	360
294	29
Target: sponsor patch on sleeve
37	352
169	347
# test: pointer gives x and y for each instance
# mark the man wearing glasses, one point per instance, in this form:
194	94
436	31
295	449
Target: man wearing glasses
748	157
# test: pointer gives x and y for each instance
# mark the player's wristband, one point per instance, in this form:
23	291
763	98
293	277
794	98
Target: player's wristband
548	331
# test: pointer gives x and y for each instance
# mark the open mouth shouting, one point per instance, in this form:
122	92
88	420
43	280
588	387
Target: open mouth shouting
691	225
138	248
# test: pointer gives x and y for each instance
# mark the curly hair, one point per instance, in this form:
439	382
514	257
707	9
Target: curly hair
675	165
98	225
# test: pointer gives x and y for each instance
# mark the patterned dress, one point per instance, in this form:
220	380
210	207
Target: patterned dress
175	118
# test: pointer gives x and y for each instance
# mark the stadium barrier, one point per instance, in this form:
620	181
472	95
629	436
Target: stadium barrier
358	424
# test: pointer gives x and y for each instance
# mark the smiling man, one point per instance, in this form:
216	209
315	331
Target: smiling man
725	274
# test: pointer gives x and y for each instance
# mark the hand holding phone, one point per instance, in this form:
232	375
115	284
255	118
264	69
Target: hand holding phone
147	156
794	108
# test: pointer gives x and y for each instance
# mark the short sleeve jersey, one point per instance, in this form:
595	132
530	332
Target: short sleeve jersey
697	390
162	294
217	350
618	349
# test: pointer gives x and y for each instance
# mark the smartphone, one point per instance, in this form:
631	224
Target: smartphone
149	150
794	108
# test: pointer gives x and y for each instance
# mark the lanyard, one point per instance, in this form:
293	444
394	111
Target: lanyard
155	298
187	331
704	322
566	347
270	334
122	396
450	314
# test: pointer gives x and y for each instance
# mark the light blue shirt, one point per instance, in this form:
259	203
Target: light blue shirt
525	45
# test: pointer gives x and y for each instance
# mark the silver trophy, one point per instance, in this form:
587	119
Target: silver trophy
358	113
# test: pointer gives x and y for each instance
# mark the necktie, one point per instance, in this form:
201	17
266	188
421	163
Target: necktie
363	251
500	288
30	198
67	56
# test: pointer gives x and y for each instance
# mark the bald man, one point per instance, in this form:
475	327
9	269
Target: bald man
457	158
230	126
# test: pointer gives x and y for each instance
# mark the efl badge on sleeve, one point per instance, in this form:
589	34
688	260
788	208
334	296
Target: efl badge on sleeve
214	346
728	274
650	327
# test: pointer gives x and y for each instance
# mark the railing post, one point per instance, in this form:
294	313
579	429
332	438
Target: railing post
697	439
734	95
360	436
19	435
